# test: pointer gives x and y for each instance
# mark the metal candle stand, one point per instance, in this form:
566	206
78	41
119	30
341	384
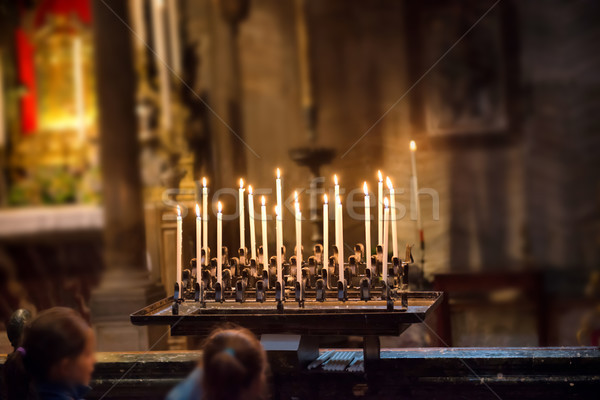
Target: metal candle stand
323	303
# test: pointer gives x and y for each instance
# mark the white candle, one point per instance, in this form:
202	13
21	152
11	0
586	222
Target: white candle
160	51
384	259
219	243
205	221
394	222
298	239
198	239
278	190
279	240
242	216
336	188
174	37
336	202
415	186
251	219
367	226
340	241
325	231
265	243
179	249
380	209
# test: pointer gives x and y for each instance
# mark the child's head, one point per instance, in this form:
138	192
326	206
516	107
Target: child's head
234	365
57	346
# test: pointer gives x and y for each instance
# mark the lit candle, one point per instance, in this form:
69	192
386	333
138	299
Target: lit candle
340	239
279	240
325	231
251	219
179	249
205	220
160	52
219	243
384	259
394	222
415	187
336	202
265	243
242	216
380	208
336	188
278	190
298	239
198	239
367	226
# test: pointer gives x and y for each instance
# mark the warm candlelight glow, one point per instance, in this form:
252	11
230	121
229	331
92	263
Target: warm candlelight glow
365	188
278	173
388	182
241	183
197	210
249	189
335	180
204	182
380	176
262	200
325	198
386	202
277	211
295	196
178	211
219	207
413	145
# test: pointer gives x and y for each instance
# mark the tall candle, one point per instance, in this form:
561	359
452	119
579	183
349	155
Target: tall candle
336	202
242	216
384	259
325	231
367	226
393	214
219	243
380	209
279	243
340	241
265	243
415	186
205	221
336	188
161	61
278	190
298	239
251	219
179	249
198	239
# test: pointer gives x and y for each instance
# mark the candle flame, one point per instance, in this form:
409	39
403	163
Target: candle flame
295	196
178	211
386	202
197	210
241	183
219	207
335	180
388	181
325	198
262	200
365	188
204	181
249	189
380	176
413	145
278	173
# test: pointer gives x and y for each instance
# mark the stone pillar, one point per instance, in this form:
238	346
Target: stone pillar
126	285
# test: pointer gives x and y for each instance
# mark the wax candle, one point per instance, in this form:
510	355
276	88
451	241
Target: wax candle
205	221
415	187
367	226
265	243
393	217
279	243
298	239
340	235
219	243
336	202
325	231
380	209
179	249
386	217
242	216
278	191
198	239
336	188
251	219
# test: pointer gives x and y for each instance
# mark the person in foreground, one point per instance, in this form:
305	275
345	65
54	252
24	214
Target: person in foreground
55	360
233	367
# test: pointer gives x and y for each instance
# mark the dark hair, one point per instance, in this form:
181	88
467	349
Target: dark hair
53	335
233	359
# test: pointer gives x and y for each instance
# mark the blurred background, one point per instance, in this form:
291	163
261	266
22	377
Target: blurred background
112	111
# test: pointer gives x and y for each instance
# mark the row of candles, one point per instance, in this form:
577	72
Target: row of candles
385	207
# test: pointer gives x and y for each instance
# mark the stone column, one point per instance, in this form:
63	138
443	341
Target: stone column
126	285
